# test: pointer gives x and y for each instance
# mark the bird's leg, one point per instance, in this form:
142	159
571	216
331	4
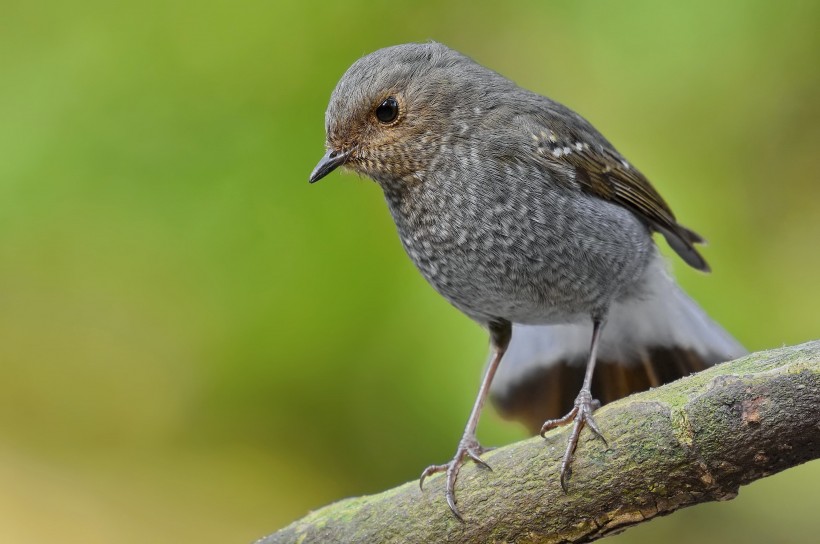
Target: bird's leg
581	413
468	446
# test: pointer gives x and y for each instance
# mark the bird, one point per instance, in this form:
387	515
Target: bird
527	220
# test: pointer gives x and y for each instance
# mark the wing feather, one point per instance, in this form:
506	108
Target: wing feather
603	172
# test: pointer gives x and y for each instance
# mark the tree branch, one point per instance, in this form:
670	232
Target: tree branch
695	440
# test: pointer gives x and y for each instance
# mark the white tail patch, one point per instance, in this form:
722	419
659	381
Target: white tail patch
664	316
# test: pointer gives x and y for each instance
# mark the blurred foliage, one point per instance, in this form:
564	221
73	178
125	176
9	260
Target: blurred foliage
197	346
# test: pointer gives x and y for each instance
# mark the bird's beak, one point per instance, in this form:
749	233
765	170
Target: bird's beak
330	162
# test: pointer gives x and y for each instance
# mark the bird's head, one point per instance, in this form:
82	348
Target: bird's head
392	109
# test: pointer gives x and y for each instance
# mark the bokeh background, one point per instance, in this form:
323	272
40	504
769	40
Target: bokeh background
198	346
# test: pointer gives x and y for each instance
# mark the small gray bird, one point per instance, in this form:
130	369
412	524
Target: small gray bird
526	219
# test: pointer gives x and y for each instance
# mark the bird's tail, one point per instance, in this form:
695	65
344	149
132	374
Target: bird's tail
646	342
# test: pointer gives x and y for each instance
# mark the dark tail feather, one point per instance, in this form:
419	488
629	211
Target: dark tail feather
647	340
549	392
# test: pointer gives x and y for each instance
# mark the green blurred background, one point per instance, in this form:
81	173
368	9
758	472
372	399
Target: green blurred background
198	346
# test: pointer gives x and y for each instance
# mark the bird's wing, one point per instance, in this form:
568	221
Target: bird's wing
603	172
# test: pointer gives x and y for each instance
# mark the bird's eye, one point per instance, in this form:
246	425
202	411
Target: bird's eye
388	110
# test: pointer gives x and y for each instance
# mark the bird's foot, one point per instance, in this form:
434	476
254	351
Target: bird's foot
580	415
468	448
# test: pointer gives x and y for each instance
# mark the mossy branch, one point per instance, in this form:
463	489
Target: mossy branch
695	440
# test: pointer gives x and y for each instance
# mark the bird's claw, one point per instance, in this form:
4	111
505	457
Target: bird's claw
580	415
467	448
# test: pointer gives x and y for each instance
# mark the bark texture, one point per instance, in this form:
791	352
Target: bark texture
695	440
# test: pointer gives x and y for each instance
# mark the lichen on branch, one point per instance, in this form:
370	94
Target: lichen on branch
695	440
